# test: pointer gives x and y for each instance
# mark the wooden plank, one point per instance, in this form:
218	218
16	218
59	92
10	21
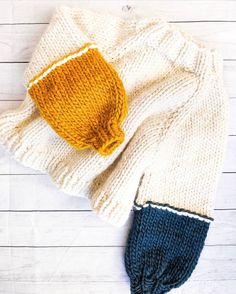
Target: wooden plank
232	118
59	229
86	229
19	41
207	287
193	287
41	11
6	12
37	192
82	264
11	80
226	191
71	287
230	156
229	69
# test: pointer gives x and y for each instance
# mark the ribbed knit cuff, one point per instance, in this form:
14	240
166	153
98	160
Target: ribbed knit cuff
109	138
163	249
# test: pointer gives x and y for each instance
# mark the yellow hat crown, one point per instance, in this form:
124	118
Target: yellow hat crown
83	99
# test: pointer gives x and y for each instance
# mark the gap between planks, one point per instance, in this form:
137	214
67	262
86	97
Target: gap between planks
173	22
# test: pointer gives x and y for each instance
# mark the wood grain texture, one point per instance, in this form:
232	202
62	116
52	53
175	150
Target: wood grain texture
77	228
51	242
41	11
193	287
100	264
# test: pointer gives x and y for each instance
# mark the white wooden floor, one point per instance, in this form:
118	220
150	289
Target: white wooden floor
51	242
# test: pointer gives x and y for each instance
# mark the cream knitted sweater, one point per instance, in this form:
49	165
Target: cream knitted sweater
175	129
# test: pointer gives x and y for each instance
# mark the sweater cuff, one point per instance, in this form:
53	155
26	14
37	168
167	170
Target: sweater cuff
163	249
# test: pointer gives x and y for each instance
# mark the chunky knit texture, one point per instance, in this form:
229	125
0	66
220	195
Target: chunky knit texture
82	98
163	249
175	129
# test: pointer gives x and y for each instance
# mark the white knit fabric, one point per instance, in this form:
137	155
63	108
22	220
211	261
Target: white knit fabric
175	130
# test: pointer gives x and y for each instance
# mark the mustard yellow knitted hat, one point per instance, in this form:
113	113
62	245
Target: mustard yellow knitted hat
83	99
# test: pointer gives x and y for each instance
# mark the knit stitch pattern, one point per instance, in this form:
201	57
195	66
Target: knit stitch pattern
83	99
175	128
163	250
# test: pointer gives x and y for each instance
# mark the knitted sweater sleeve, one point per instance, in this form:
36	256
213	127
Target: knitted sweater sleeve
115	190
174	203
186	165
